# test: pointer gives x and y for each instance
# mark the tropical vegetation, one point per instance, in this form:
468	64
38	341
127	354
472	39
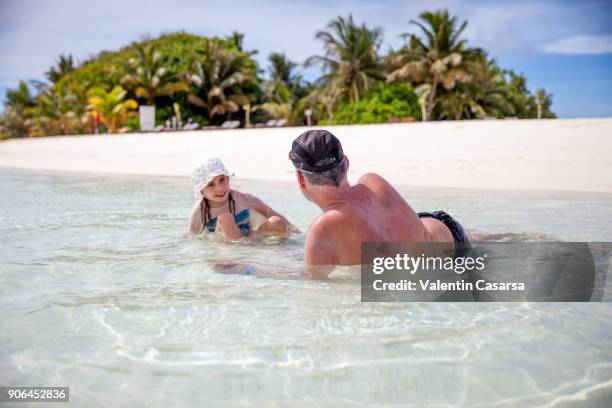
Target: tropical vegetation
434	75
385	102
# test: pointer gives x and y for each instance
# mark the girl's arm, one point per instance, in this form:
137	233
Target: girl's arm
195	221
227	226
225	223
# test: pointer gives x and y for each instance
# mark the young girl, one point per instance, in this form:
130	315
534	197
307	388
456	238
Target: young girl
219	209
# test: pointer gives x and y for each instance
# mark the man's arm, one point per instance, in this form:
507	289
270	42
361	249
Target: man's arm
320	250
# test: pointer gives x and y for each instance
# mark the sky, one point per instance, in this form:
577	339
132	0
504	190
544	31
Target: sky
562	46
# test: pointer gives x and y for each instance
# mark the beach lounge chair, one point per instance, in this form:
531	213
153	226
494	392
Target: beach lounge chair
191	126
230	124
271	123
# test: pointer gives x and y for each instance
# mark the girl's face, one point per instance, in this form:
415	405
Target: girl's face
217	190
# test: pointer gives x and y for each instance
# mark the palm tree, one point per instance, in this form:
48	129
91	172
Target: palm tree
438	58
20	98
285	90
149	77
236	38
350	63
544	102
221	78
284	104
493	93
422	91
112	107
282	69
486	94
19	109
79	91
322	101
540	96
519	95
524	103
57	111
64	65
12	124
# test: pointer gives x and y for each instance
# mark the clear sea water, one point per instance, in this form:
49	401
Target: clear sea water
101	290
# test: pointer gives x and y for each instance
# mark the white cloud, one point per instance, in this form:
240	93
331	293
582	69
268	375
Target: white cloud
581	44
494	27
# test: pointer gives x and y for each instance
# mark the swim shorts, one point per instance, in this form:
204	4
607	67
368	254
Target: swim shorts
453	225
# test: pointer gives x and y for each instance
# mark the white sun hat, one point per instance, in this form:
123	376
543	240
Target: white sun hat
204	170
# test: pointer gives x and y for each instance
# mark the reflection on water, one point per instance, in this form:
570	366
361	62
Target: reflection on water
101	290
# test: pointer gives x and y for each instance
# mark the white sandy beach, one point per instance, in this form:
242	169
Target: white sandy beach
564	155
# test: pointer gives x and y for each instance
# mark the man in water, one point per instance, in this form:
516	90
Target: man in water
370	211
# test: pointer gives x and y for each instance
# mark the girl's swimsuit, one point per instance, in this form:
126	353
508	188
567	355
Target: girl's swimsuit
242	220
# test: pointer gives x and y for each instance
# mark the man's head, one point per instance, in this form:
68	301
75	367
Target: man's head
318	158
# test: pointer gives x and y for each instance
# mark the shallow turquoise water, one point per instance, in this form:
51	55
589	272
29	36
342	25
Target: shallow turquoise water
101	290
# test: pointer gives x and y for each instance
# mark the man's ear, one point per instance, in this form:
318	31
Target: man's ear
300	179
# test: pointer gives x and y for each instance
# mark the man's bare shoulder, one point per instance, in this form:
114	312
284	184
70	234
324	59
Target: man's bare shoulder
321	246
327	224
328	227
387	196
373	180
377	184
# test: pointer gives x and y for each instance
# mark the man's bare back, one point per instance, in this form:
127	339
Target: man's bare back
370	211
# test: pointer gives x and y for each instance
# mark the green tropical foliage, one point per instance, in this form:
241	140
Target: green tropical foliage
282	70
521	99
543	101
13	124
438	57
236	38
20	99
384	102
285	91
149	76
112	107
222	79
350	63
64	66
435	75
19	109
57	112
484	95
